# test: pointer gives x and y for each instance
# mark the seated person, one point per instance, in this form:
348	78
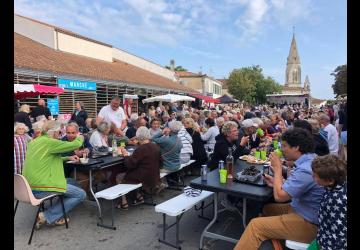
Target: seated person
296	220
321	145
72	131
37	127
143	166
199	155
249	129
99	137
155	126
209	136
186	150
170	145
21	139
330	172
91	126
227	139
43	169
131	132
269	130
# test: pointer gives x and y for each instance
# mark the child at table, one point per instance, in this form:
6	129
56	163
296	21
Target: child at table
329	171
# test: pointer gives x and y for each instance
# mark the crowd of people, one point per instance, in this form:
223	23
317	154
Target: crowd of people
313	143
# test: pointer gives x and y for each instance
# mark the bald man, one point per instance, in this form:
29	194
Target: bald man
41	109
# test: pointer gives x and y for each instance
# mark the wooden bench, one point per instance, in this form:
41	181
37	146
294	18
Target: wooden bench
176	207
113	193
296	245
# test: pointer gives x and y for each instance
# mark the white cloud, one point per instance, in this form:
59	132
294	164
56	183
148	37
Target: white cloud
197	52
161	22
250	22
289	12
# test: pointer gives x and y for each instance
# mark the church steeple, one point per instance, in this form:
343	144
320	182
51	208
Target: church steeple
293	57
307	83
293	68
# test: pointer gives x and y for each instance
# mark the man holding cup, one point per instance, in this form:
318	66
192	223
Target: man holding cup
296	220
249	129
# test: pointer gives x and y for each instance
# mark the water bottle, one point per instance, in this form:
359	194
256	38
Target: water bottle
230	164
114	148
204	172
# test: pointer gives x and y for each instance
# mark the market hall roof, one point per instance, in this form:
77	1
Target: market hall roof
33	55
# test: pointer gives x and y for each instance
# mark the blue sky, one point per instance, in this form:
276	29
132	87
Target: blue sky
212	36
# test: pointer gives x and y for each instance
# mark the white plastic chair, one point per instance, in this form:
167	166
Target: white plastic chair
23	193
296	245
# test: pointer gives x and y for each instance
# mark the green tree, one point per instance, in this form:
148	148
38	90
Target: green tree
249	84
340	85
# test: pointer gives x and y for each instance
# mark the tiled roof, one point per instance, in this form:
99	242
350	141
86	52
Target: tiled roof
65	31
33	55
316	101
187	74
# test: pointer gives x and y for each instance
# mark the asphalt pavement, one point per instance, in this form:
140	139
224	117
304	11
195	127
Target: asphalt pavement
138	228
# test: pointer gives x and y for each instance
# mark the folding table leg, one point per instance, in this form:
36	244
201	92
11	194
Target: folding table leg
165	228
244	213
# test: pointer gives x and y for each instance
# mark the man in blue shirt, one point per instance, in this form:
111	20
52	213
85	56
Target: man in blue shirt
296	220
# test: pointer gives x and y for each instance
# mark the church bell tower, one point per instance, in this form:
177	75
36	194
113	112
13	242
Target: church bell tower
293	68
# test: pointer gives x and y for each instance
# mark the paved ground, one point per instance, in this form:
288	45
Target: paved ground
138	228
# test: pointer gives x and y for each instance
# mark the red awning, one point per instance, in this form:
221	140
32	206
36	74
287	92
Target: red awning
204	97
22	91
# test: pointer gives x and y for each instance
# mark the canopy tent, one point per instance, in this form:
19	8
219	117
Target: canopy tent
207	99
22	91
169	98
227	99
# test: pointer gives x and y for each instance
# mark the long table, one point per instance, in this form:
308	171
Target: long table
95	165
243	190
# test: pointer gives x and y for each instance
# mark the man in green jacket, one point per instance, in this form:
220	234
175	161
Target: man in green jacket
43	169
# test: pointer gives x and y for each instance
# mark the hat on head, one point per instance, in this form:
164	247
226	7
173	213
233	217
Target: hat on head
247	123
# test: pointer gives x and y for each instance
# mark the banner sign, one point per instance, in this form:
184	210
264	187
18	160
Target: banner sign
74	84
53	105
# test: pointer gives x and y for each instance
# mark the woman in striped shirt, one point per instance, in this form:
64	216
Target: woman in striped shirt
20	141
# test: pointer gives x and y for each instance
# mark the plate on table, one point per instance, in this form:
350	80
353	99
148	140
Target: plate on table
252	159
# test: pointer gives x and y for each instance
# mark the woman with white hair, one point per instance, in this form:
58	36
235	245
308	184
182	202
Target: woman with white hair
99	138
23	116
37	127
44	170
170	145
20	141
143	166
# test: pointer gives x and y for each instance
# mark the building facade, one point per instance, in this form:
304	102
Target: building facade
90	71
200	82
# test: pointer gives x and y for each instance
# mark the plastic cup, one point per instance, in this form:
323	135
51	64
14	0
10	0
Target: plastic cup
276	144
223	175
122	143
260	132
257	154
263	155
278	152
